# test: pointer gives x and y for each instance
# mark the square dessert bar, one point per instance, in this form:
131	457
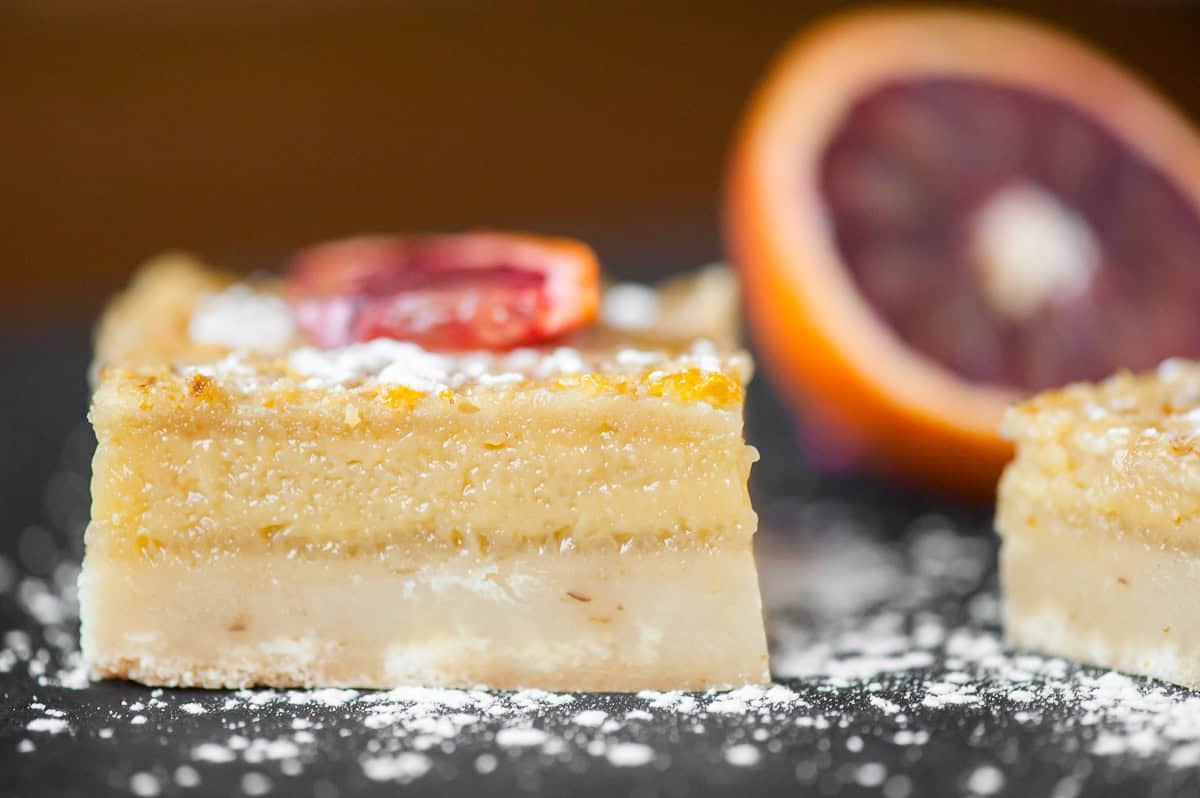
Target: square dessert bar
266	512
1100	519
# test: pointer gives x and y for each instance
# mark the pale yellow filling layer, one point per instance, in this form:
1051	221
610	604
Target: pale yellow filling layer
564	472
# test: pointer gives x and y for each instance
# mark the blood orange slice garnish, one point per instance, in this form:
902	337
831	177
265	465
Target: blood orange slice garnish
469	291
934	212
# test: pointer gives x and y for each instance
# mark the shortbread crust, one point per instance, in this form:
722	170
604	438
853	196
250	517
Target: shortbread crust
584	620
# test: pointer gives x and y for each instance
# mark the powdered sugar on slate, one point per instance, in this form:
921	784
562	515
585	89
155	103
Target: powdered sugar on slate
871	642
403	767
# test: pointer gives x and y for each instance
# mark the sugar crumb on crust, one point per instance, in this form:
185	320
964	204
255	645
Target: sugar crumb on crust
148	330
1119	457
1167	399
271	385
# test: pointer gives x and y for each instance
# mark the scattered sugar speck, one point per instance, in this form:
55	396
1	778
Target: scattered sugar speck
743	755
870	774
590	718
212	752
255	783
187	776
985	780
403	767
144	784
48	725
520	738
628	755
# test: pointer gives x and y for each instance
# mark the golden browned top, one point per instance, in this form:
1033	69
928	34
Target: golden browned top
147	354
204	447
154	397
1120	457
148	323
1159	410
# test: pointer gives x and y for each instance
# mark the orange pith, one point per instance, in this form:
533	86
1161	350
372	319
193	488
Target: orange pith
823	345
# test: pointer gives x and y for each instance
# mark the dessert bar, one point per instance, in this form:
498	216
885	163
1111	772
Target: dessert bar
363	510
1100	519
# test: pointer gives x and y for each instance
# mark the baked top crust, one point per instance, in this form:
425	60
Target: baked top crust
184	328
1118	458
152	321
221	430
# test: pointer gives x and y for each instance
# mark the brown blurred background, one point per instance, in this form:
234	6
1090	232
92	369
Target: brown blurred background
243	130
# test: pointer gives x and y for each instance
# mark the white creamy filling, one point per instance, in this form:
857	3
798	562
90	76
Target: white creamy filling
243	319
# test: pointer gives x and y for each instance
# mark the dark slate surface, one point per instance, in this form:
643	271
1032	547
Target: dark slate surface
43	466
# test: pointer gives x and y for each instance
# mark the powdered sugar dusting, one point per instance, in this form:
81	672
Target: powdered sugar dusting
877	646
404	363
250	322
144	784
403	767
243	319
627	755
47	725
630	306
743	755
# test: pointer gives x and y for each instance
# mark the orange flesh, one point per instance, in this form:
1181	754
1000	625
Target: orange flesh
918	165
894	409
468	291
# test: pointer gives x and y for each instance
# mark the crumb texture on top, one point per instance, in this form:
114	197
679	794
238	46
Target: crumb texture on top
1118	457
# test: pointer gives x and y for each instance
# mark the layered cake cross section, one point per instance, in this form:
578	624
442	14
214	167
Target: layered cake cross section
573	516
1099	515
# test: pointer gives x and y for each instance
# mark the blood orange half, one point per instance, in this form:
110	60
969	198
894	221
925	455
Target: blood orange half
934	212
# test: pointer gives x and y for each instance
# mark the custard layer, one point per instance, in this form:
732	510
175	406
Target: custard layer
564	470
